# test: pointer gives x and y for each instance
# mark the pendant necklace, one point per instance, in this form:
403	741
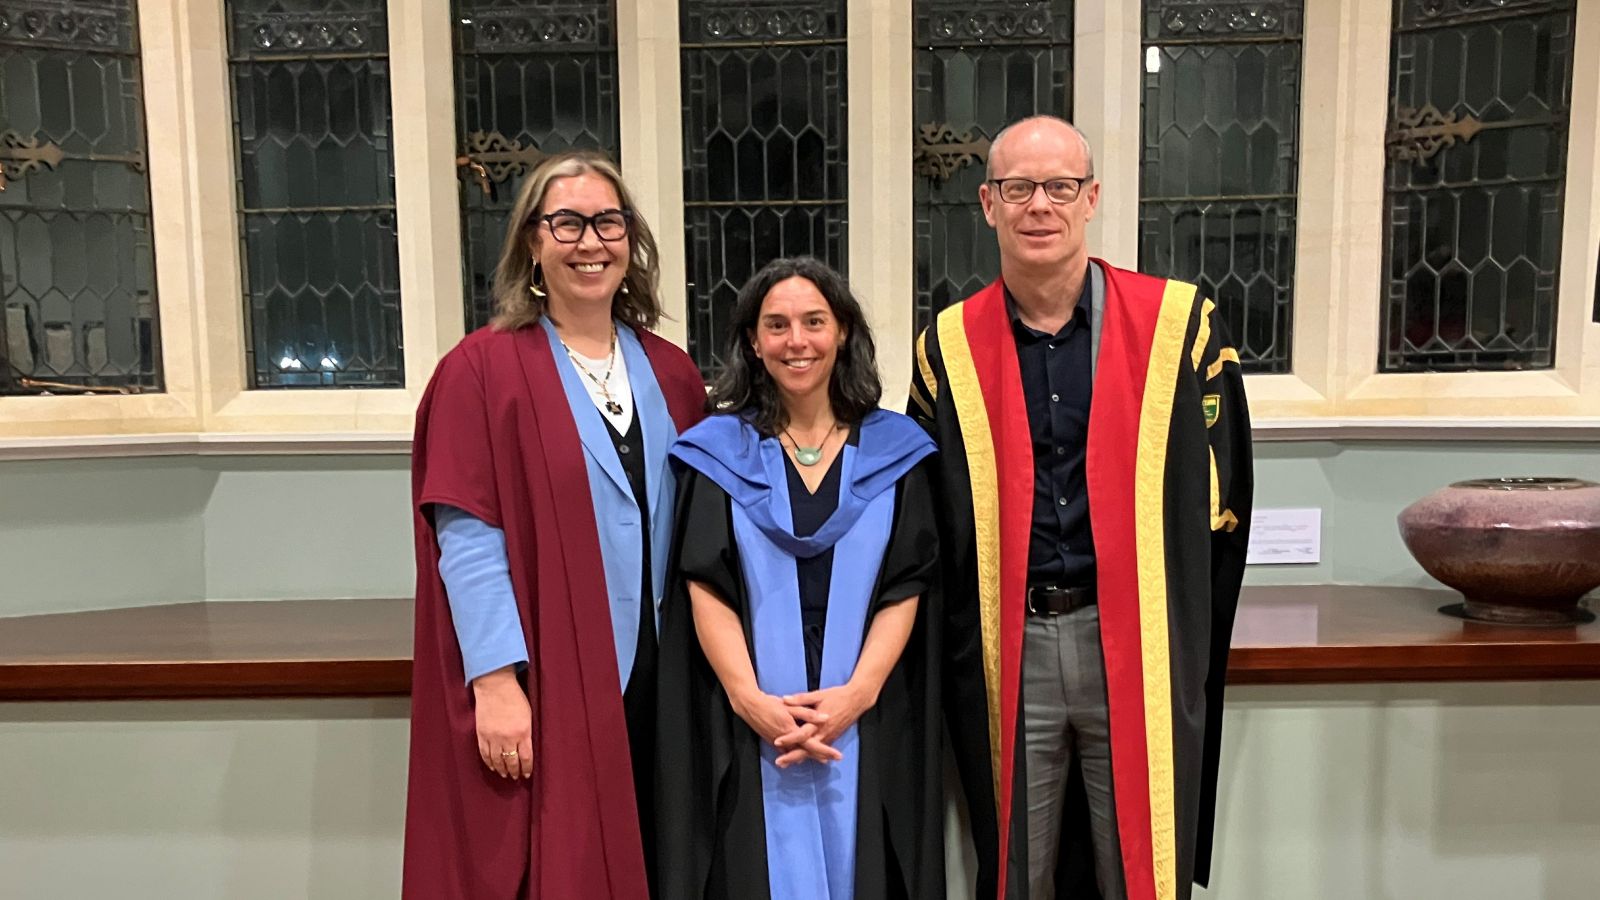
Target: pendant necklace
603	382
810	456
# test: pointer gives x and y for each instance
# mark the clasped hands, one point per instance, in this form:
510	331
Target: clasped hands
804	726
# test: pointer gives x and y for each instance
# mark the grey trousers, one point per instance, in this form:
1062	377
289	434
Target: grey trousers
1064	703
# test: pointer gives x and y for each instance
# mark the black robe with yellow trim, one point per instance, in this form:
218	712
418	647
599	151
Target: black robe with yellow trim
1169	480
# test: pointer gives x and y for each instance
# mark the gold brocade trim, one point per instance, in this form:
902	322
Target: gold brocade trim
973	415
928	381
925	371
1221	519
1225	355
1216	490
1202	336
1155	423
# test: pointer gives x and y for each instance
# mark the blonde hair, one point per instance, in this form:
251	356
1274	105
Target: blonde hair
515	306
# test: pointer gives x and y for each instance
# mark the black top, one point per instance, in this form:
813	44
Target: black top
639	699
1057	380
815	573
630	452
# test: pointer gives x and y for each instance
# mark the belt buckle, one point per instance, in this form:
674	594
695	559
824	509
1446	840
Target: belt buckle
1035	611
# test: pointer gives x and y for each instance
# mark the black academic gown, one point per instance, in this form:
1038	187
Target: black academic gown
711	825
1170	488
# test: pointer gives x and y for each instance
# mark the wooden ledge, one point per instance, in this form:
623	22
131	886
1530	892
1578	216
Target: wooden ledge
1338	634
283	648
341	648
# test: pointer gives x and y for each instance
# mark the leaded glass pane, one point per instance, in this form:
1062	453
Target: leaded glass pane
77	270
532	79
980	65
1479	99
763	148
316	192
1219	161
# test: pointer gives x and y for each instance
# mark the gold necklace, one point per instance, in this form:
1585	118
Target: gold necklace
603	382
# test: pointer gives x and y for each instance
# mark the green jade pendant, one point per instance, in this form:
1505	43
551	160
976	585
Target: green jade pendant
807	456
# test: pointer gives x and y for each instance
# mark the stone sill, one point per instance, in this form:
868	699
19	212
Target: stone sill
1544	430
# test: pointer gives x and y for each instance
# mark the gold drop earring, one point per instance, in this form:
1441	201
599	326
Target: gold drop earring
536	280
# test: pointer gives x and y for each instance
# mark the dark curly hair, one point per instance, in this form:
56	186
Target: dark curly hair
744	387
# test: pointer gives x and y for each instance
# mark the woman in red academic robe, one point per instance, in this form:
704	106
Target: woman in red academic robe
543	504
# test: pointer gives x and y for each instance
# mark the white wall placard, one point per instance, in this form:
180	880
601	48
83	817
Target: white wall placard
1285	536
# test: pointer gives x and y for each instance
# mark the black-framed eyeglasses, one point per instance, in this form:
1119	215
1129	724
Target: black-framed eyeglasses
1058	190
567	226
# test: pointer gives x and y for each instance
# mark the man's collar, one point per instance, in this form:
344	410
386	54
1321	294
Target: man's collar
1080	313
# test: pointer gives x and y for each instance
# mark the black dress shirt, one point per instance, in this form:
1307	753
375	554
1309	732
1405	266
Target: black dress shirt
1057	381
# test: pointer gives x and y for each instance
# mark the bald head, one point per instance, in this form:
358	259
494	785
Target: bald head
1044	233
1042	132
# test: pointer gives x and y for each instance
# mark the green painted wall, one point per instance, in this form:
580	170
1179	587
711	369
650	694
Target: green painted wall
1362	486
92	534
201	800
1342	792
307	527
85	534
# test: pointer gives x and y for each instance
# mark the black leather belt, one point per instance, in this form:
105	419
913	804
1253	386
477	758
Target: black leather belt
1049	600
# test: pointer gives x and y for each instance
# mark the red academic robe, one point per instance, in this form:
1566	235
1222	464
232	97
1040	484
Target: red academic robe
496	438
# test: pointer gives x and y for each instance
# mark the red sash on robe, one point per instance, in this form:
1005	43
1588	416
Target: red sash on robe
1143	327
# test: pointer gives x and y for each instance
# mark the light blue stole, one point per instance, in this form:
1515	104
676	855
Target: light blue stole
616	515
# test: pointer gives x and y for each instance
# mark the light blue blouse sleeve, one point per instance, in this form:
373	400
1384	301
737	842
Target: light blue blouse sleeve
477	579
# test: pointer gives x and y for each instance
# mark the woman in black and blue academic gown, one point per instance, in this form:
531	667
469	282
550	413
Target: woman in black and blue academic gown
798	731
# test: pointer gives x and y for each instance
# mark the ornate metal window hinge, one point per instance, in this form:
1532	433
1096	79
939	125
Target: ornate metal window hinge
19	156
490	157
1418	135
939	152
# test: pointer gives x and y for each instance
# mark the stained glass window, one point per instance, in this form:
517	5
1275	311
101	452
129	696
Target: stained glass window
980	65
316	192
532	79
763	147
1219	161
1479	99
77	269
